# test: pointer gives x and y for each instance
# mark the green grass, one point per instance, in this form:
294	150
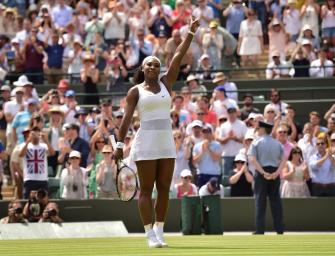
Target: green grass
182	245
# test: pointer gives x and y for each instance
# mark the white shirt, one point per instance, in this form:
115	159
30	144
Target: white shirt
292	21
316	70
206	12
12	107
35	166
308	148
284	68
166	9
280	108
220	106
232	147
114	29
79	179
203	191
69	118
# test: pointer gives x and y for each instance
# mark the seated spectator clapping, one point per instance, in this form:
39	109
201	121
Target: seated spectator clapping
212	187
185	187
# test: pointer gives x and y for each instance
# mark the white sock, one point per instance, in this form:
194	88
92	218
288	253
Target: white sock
147	228
159	224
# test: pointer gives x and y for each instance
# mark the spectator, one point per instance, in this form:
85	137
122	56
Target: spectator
241	178
315	120
235	14
309	14
206	156
116	74
221	80
69	107
204	13
331	126
196	88
193	130
295	174
322	169
271	115
212	42
85	129
282	137
62	87
291	20
100	51
177	106
307	33
24	34
18	61
276	102
76	144
321	67
161	21
80	18
300	62
231	137
180	15
308	142
75	61
93	27
45	28
15	214
140	48
184	152
61	14
188	104
328	24
54	133
221	102
51	214
35	168
97	145
21	120
33	57
212	187
89	76
54	52
9	22
114	22
250	41
159	47
248	107
170	49
277	68
308	49
185	187
74	178
205	68
106	175
208	116
277	39
137	19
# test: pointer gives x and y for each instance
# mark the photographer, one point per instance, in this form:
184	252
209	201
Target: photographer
37	201
15	214
50	214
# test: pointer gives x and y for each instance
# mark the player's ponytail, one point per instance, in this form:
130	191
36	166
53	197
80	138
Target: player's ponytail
139	76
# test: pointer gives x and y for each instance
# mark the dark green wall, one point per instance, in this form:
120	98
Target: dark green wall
312	214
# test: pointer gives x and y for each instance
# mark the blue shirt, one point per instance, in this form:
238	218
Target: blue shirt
234	19
267	150
206	164
20	122
216	11
325	173
62	16
55	55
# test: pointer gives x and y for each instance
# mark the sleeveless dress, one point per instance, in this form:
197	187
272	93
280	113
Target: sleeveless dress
154	139
296	187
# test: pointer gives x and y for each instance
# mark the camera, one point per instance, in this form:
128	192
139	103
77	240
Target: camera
74	188
51	212
18	210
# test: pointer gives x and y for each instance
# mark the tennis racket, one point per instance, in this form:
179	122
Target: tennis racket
126	178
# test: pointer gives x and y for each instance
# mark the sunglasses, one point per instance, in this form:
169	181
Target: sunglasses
201	114
284	132
320	143
239	162
296	152
187	178
74	157
106	153
270	111
178	137
101	141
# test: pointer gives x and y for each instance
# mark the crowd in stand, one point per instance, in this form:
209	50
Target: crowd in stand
52	136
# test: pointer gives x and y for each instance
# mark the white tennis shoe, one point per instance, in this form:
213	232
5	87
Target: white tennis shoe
152	240
160	235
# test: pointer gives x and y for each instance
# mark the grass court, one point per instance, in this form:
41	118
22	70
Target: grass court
270	245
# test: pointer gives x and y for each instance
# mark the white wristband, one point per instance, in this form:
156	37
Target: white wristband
191	33
119	145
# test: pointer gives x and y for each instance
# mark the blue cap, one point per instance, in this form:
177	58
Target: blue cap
70	93
220	88
32	101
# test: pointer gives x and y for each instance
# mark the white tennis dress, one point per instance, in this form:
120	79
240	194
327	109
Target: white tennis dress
154	139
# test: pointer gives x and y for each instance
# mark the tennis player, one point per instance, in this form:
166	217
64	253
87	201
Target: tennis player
153	148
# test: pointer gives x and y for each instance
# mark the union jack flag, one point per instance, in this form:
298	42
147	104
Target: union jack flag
35	161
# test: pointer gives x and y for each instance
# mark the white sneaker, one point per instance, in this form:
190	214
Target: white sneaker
152	240
160	235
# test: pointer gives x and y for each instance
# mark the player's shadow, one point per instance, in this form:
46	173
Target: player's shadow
207	248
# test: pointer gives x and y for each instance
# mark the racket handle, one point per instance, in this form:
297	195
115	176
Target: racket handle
113	141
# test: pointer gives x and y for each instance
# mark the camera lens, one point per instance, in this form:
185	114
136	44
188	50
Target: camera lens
18	210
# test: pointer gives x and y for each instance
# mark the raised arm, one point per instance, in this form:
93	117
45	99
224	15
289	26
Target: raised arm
173	70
